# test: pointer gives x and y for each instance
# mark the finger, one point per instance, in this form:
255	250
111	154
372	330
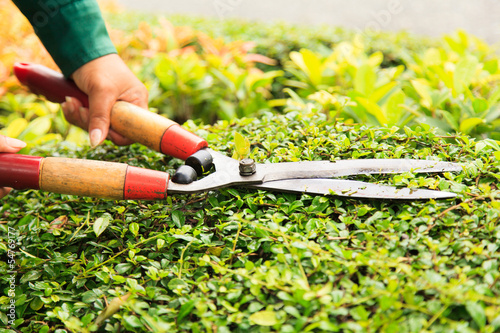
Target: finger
10	145
4	191
71	109
118	139
137	94
142	97
100	104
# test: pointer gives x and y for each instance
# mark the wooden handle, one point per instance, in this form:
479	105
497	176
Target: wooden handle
133	122
139	124
82	177
102	179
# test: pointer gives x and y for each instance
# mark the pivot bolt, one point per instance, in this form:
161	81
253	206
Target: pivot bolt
247	167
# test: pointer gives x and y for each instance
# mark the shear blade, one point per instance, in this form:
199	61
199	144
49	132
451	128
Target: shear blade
326	169
349	188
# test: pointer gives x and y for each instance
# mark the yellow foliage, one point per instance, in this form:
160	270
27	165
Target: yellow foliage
18	42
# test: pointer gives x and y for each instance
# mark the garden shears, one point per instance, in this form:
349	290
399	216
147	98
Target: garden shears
121	181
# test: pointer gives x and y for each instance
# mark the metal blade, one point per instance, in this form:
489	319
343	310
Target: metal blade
349	188
227	171
326	169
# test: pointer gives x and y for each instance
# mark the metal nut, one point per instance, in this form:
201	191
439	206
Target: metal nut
247	167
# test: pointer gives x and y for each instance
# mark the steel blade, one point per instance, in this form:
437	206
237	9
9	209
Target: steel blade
326	169
227	171
349	188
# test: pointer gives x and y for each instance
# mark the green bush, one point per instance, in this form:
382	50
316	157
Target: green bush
453	87
209	89
250	261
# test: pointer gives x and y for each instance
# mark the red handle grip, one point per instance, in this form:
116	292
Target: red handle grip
139	125
20	171
44	81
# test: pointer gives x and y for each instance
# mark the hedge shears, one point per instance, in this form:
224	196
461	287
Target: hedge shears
204	170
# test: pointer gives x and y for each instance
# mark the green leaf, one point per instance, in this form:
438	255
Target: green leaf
450	119
432	57
36	128
44	329
15	128
464	73
373	109
468	124
227	110
102	224
364	81
242	145
30	276
178	218
309	63
36	304
177	284
375	59
132	321
264	318
359	313
393	108
480	105
134	228
382	91
423	90
477	313
89	297
186	309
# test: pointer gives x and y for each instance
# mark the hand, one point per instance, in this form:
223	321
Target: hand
9	145
105	80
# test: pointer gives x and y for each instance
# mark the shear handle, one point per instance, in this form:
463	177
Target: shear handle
131	121
81	177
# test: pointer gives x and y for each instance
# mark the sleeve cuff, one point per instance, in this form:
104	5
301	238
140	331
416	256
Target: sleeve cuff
72	31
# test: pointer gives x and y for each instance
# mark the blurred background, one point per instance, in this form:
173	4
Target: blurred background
425	17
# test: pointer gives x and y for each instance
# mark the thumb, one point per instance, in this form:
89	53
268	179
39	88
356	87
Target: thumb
10	145
100	105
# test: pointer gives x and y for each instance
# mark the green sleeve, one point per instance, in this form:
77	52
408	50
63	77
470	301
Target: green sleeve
73	31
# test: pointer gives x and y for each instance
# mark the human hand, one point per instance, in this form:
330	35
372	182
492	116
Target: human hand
9	145
105	80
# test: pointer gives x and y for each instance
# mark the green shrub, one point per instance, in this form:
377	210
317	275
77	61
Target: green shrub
251	261
209	88
454	87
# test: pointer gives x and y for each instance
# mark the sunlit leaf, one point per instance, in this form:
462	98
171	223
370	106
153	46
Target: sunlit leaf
264	318
393	108
479	105
432	57
15	127
373	109
241	145
467	125
134	228
464	73
310	63
36	128
423	90
101	224
364	81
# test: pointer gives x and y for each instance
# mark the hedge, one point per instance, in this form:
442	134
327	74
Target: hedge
240	260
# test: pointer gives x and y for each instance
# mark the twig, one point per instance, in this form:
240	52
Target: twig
444	212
